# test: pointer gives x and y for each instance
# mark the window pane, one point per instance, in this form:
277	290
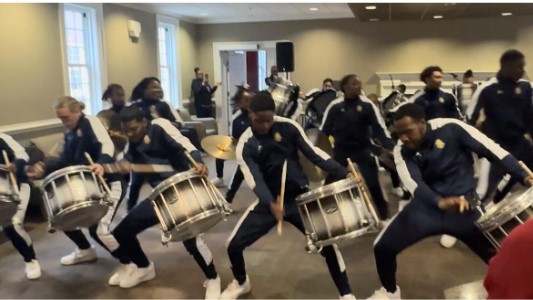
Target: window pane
78	20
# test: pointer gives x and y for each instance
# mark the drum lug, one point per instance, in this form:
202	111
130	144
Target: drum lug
165	238
51	229
311	247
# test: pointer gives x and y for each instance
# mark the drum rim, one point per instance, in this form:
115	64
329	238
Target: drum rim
170	181
505	210
204	215
350	235
77	206
65	171
327	190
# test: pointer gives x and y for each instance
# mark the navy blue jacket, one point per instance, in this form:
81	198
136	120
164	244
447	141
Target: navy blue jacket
508	108
437	104
349	122
162	144
261	160
16	154
89	136
240	121
443	165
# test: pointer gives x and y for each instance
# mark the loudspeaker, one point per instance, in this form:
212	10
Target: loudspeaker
285	56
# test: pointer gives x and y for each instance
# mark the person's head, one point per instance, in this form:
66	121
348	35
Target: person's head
262	109
149	88
133	123
351	86
402	88
199	73
468	77
274	70
69	111
242	98
410	124
432	77
115	94
512	63
327	84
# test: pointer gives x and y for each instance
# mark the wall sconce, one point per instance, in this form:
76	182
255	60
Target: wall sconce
134	29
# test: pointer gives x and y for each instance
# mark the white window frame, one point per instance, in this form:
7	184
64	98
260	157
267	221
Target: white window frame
171	26
95	55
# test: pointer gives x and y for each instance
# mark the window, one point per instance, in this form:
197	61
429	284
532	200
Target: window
167	63
82	55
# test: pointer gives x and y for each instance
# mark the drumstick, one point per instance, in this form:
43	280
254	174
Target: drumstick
282	193
11	175
363	191
195	164
523	165
102	181
139	168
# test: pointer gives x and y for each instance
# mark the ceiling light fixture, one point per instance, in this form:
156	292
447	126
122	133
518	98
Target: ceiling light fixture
370	7
203	14
506	14
313	8
437	17
374	19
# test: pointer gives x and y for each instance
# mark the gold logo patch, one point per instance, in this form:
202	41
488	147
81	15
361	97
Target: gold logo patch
78	133
359	108
277	137
441	100
146	139
439	144
518	90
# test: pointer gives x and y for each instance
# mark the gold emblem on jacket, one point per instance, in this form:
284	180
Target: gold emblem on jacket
439	144
518	90
78	133
146	139
441	100
359	108
277	137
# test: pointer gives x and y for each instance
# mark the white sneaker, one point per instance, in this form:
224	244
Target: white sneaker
79	256
33	269
347	296
135	275
118	275
218	182
234	289
447	241
212	288
383	294
227	209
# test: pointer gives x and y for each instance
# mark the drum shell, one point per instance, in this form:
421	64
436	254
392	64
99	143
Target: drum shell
73	198
186	205
334	212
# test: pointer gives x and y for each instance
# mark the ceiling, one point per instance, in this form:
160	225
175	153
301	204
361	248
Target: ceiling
211	13
427	11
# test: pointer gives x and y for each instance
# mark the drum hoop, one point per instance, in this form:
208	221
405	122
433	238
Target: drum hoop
502	212
65	171
171	181
327	190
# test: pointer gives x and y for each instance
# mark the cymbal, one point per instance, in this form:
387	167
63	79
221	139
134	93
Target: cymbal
320	140
384	156
220	146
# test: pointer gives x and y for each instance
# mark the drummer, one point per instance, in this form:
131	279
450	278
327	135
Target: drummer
434	160
20	239
349	121
261	152
85	134
157	141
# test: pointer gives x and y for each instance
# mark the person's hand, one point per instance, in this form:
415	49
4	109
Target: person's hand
36	171
528	181
97	169
454	203
277	210
13	168
358	179
201	170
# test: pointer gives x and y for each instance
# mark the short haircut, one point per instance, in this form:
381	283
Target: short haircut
328	80
73	105
131	113
511	56
468	74
427	72
412	110
345	80
262	102
110	89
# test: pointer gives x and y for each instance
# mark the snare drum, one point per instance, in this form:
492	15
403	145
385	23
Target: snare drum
8	203
334	212
73	198
186	205
500	219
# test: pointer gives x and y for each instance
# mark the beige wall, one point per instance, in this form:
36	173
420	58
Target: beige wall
31	73
127	61
337	47
188	49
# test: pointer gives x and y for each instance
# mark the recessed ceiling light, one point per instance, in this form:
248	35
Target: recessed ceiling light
437	17
203	14
506	14
374	19
370	7
313	8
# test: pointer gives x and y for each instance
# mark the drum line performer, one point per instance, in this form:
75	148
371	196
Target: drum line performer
434	160
15	231
156	141
261	152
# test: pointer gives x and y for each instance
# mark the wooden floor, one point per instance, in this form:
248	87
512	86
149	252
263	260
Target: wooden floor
278	266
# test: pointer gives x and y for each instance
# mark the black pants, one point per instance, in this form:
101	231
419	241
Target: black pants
418	221
219	164
257	221
204	111
143	217
369	170
236	182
